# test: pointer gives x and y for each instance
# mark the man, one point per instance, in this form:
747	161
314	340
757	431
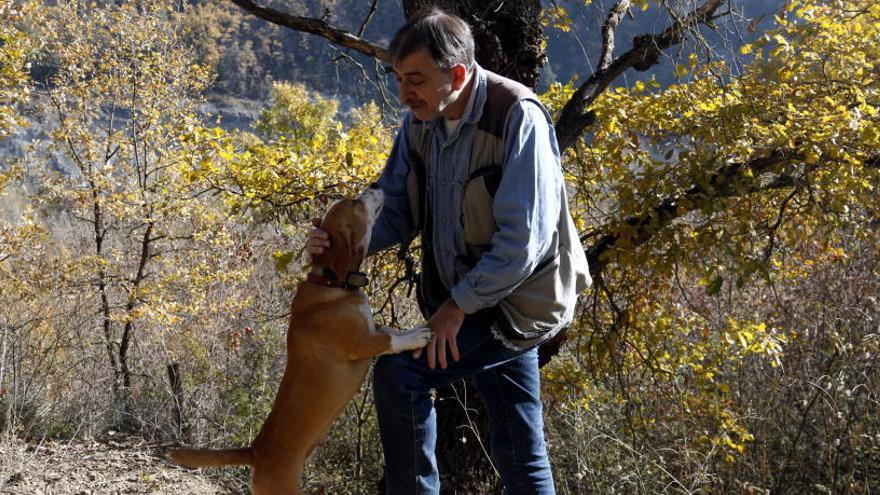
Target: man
475	170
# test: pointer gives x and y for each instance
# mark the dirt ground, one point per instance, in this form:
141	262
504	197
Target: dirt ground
110	466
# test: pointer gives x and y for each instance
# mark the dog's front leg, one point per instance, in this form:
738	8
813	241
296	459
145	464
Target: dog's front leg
408	339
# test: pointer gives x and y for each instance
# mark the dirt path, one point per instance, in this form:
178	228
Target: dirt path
113	466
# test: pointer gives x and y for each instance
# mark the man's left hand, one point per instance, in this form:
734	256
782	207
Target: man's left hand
445	323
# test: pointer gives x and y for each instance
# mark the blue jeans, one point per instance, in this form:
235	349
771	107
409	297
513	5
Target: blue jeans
508	383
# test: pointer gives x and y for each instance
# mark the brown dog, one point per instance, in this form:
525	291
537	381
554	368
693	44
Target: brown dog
330	341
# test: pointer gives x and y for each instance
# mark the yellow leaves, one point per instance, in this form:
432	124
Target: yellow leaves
226	154
680	71
780	40
557	95
556	17
16	45
302	153
709	105
282	260
809	90
870	134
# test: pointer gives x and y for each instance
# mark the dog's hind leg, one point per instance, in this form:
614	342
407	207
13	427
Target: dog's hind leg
277	479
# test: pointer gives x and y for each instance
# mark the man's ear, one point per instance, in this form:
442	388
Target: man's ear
459	75
316	222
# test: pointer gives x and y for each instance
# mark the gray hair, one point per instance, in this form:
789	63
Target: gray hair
446	37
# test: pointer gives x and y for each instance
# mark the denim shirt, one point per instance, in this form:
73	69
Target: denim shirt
526	205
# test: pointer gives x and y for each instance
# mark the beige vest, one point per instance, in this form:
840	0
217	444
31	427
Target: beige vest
544	303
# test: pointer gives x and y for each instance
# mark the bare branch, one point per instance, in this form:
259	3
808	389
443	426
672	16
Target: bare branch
373	9
773	229
575	116
617	12
317	27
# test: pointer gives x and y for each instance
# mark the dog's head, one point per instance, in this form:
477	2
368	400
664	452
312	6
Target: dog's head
349	223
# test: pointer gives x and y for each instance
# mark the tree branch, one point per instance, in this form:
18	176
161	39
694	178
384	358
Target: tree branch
372	11
608	39
727	182
575	116
317	27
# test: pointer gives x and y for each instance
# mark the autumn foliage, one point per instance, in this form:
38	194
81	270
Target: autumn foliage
729	344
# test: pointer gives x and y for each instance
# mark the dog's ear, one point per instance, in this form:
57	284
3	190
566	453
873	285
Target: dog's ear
340	253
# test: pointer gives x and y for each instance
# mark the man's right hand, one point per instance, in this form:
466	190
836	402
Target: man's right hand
318	241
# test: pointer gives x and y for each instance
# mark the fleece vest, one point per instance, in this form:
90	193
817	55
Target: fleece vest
544	303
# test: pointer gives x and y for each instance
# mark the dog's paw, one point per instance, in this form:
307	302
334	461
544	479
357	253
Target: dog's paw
411	340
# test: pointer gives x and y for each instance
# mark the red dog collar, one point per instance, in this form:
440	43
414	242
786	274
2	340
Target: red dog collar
353	280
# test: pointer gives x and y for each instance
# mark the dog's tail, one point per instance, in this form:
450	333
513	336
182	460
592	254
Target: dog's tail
197	458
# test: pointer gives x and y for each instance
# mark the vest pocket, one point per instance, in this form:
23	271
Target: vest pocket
477	212
538	305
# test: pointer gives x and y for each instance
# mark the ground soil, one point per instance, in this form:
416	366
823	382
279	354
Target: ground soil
113	465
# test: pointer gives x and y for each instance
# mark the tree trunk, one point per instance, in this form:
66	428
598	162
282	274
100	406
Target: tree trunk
175	380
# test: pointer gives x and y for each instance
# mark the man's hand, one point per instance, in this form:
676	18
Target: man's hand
445	323
317	242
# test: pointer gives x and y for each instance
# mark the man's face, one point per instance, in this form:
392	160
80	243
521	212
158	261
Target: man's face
423	87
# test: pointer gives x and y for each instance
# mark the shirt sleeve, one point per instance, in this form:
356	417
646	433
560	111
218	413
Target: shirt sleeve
394	224
526	208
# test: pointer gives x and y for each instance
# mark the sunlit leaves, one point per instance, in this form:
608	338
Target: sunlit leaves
15	47
556	17
151	246
763	171
303	151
